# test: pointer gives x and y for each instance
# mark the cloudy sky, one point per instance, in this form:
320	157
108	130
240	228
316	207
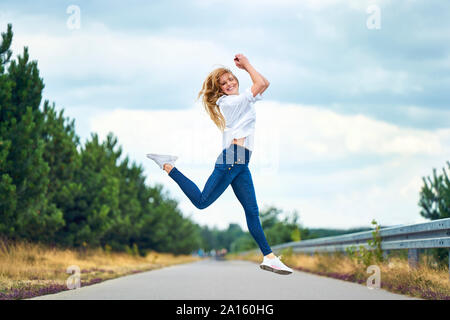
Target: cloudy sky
358	110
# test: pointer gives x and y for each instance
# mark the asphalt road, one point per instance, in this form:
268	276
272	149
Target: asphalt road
223	280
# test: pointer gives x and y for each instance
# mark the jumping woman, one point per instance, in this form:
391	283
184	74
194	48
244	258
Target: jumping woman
234	114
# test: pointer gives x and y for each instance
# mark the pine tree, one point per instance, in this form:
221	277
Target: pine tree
124	232
7	187
32	216
62	156
96	205
435	196
435	204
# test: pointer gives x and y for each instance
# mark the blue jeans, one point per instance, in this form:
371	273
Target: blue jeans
231	167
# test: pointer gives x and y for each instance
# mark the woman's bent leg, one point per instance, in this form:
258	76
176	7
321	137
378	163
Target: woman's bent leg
216	184
245	192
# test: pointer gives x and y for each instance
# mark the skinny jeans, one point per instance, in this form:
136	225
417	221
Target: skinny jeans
231	167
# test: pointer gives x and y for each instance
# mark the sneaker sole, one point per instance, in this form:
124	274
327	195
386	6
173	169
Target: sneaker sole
268	268
152	155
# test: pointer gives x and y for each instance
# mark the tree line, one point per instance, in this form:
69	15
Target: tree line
55	190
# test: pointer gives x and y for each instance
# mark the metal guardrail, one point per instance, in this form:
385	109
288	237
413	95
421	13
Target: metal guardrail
434	234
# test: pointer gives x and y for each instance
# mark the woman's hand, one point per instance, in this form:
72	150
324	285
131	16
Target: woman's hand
241	61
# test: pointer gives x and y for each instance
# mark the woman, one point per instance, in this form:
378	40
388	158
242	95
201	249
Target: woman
234	114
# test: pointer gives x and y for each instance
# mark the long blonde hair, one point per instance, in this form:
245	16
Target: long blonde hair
211	92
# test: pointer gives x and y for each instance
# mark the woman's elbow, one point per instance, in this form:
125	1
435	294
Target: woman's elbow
266	85
259	87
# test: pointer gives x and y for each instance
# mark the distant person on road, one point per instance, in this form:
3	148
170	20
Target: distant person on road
234	114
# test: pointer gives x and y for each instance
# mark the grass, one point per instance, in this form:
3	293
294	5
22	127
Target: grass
428	281
28	270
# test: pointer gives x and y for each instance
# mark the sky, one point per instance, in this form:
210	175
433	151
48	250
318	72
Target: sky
357	112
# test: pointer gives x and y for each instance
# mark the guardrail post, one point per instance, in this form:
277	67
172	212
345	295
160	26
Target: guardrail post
386	254
413	257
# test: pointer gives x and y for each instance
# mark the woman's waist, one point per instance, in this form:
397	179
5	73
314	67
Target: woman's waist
234	154
237	134
239	141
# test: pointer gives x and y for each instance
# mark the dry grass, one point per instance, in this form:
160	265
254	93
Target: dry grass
396	276
28	269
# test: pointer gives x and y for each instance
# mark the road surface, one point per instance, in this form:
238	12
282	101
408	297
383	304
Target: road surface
223	280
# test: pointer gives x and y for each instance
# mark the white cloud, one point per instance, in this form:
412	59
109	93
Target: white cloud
96	51
316	133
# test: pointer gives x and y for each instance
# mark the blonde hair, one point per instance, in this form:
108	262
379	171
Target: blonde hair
211	92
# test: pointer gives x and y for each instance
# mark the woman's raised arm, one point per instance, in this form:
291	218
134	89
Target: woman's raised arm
260	83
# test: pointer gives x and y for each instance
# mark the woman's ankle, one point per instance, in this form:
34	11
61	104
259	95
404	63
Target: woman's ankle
270	256
167	167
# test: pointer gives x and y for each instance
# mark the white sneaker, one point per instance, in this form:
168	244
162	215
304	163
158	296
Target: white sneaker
162	159
275	265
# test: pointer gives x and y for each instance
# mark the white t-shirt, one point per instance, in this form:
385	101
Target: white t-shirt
240	117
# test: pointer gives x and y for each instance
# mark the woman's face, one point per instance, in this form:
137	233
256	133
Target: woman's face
228	84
